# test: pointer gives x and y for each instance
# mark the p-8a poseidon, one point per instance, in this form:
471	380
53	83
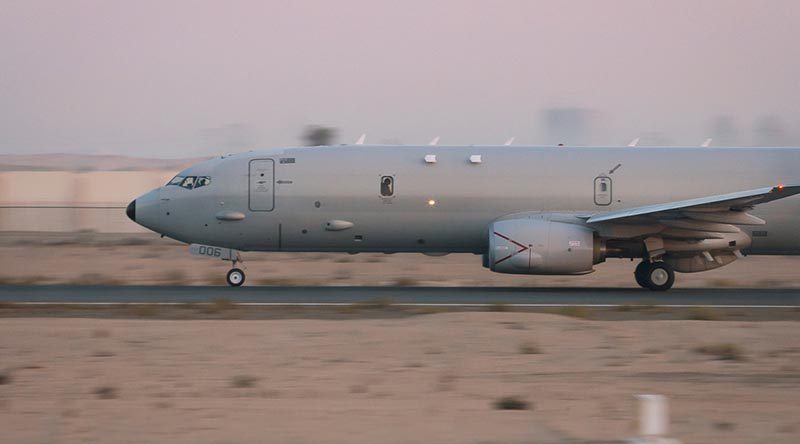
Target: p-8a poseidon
526	210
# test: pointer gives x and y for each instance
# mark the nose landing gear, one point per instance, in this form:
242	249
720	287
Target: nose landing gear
235	277
656	276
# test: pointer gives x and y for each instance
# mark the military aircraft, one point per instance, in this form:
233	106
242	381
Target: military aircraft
527	210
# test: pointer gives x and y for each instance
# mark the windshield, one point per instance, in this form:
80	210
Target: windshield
190	182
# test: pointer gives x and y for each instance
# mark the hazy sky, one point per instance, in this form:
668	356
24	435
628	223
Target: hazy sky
180	78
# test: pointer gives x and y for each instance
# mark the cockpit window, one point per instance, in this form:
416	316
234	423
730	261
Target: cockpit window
176	180
202	181
188	182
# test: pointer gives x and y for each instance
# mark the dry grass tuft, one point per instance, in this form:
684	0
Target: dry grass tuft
276	281
144	310
575	312
405	281
530	348
105	392
173	277
359	389
499	307
511	403
373	304
703	314
95	279
722	352
100	333
244	381
218	305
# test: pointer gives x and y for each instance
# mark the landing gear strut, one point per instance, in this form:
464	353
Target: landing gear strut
656	276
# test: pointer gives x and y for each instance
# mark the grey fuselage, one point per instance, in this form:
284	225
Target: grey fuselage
446	206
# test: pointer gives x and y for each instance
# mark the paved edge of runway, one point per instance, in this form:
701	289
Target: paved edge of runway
334	296
347	304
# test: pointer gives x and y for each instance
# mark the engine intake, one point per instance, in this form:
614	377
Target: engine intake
541	246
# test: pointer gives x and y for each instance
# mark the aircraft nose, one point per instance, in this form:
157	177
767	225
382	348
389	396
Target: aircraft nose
144	210
131	210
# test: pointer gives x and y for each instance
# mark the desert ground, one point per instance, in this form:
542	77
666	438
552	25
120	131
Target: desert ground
433	378
142	259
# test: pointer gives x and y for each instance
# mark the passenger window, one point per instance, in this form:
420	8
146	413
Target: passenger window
387	186
202	181
188	183
603	187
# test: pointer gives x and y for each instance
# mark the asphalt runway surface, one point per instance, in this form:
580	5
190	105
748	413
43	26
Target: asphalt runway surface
412	296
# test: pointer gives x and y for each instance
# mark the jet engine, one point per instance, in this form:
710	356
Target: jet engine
542	246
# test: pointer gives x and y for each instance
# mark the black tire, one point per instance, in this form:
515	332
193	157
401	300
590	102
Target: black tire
659	277
641	272
235	277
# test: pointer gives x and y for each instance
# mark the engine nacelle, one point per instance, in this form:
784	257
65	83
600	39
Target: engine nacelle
541	246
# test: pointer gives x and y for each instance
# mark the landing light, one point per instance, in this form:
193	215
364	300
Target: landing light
431	202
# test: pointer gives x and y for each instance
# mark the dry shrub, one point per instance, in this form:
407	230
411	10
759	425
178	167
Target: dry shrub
511	403
102	354
499	307
105	392
173	277
575	312
244	381
359	389
218	305
405	281
530	348
100	333
703	314
144	310
95	279
373	304
277	281
722	352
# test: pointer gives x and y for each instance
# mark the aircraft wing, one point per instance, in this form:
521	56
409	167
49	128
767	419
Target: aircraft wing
724	209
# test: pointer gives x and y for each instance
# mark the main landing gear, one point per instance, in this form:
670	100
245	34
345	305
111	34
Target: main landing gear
656	276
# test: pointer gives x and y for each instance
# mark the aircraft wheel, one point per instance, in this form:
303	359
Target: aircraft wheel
659	276
640	272
236	277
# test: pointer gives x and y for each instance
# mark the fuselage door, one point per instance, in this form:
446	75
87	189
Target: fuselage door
602	191
262	185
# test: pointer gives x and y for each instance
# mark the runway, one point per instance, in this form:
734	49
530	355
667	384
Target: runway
410	296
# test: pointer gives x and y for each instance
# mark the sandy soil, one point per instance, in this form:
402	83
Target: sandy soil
95	259
430	378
